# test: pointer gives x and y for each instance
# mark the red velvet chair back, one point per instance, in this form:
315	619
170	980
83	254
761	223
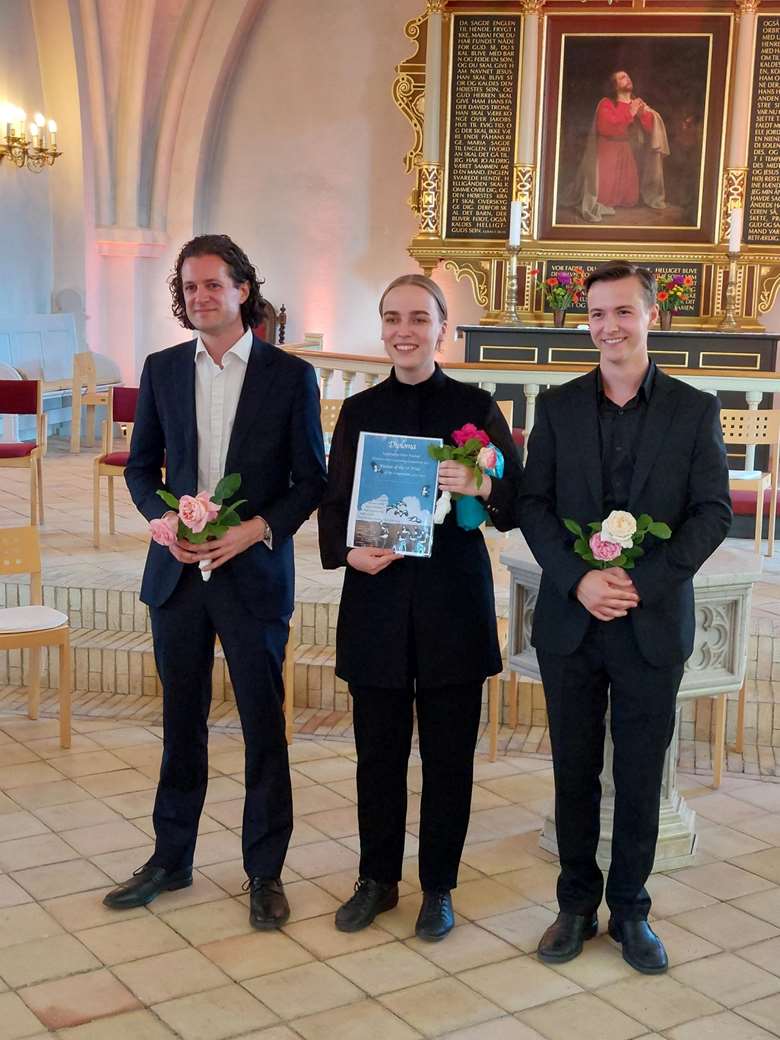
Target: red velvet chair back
19	396
125	402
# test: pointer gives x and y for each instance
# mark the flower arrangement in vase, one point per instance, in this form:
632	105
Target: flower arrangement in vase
562	290
674	291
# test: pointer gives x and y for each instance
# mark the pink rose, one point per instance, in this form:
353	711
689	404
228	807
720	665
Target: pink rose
212	509
467	432
602	550
164	529
487	458
193	513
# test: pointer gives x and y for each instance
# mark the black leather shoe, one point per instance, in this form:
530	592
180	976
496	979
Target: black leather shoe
145	885
268	906
642	948
370	898
436	918
564	938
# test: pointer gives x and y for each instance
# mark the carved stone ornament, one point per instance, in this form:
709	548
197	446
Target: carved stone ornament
734	186
713	642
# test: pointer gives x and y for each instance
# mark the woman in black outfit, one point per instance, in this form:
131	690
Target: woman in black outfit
415	630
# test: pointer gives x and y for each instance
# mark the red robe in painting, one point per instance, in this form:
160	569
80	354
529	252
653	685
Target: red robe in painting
618	177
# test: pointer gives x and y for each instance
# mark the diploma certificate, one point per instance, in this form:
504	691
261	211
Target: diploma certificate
394	493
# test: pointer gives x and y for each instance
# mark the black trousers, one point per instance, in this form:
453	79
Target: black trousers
184	630
608	666
448	726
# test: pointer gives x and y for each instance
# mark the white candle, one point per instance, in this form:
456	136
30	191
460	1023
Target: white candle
34	131
515	222
52	134
735	230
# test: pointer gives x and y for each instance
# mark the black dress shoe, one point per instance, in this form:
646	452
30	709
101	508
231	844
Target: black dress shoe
436	918
370	898
145	885
642	948
564	938
268	906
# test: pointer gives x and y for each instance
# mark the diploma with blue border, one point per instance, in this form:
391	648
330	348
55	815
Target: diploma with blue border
394	493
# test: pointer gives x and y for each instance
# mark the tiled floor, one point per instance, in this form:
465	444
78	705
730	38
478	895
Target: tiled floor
74	822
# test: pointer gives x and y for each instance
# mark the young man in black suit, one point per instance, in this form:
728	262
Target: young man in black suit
624	437
225	402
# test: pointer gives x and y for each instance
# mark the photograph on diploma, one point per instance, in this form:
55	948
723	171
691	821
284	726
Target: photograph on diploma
632	137
394	493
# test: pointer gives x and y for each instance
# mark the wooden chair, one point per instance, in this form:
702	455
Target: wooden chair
36	626
750	427
23	397
85	393
120	408
330	407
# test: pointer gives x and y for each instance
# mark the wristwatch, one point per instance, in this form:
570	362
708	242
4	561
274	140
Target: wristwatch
268	537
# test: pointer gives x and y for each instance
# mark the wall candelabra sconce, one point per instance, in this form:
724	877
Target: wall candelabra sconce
33	146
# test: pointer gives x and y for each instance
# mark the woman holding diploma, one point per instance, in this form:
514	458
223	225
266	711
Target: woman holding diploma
415	630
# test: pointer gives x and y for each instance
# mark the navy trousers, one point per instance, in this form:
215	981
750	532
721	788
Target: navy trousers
184	631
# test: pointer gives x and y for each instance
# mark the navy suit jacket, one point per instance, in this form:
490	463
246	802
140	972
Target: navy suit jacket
680	477
276	446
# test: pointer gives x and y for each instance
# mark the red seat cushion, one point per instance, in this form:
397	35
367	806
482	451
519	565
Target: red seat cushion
518	436
115	458
16	451
744	502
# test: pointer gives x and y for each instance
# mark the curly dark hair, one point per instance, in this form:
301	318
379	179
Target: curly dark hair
241	270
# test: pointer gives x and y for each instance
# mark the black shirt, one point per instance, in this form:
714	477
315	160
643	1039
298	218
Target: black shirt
620	429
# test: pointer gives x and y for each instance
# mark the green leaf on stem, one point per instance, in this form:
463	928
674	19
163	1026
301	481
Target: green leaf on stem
660	530
581	546
643	522
169	499
226	487
574	527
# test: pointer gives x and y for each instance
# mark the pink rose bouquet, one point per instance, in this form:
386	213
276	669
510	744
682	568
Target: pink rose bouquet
616	541
474	449
199	518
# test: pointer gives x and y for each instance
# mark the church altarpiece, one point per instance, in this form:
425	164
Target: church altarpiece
505	101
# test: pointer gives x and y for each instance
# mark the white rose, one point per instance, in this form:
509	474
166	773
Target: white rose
620	528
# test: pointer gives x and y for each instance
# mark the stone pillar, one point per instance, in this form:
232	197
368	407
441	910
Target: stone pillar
735	174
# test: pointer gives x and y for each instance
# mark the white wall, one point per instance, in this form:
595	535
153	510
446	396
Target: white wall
25	209
311	181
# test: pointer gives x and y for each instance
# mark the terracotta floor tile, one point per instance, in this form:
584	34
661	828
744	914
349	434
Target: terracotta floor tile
12	894
20	825
40	796
764	828
765	796
335	823
105	837
88	812
305	990
16	1020
347	789
467	946
129	940
61	879
723	880
766	864
519	983
726	842
167	976
723	809
121	781
229	813
307	751
223	789
316	799
445	1004
498	857
726	926
765	905
384	969
15	754
725	1026
670	896
600	964
681	945
38	849
215	1013
86	910
120	865
25	923
765	954
132	1025
88	762
521	787
37	772
217	847
80	998
764	1013
354	1022
274	1033
229	876
727	979
49	747
322	857
659	1001
492	824
247	956
202	890
125	736
506	1028
486	898
209	922
320	937
28	963
522	928
133	804
595	1020
537	883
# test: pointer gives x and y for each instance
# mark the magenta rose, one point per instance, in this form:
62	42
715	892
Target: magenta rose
604	551
469	432
164	529
212	509
193	513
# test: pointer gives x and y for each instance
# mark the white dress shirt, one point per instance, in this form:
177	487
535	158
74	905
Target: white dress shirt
217	391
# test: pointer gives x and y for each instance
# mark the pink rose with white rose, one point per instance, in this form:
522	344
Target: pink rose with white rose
487	458
164	529
620	528
602	549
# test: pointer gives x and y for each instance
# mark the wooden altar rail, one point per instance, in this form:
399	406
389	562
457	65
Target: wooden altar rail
533	377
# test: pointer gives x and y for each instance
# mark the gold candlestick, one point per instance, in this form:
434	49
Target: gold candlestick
730	313
510	315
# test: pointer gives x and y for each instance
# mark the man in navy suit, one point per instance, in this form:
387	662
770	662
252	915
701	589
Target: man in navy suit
624	437
225	402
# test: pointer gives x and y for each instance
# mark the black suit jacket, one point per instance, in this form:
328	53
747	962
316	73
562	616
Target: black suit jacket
680	477
276	446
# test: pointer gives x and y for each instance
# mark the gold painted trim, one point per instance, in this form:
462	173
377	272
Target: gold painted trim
510	347
573	350
731	354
